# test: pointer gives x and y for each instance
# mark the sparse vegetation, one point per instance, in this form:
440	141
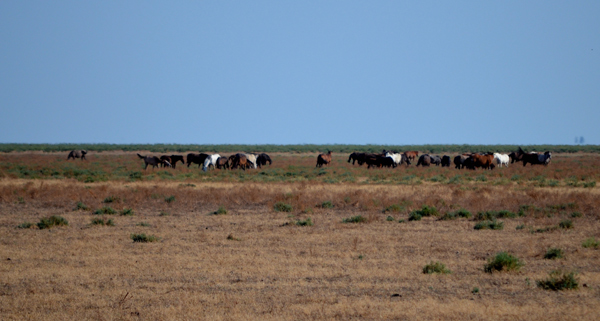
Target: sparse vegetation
105	210
462	213
436	267
52	221
558	281
127	212
81	207
283	207
111	199
220	211
492	215
489	225
102	221
554	253
25	225
503	261
327	204
306	222
170	199
591	243
566	224
143	238
355	219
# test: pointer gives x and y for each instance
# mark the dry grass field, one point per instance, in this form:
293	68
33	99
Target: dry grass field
257	263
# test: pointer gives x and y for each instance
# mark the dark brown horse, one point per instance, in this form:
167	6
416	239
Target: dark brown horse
357	157
77	154
323	159
263	159
153	161
223	163
239	160
196	158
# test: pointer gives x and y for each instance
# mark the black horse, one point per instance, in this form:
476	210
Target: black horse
77	154
196	158
263	159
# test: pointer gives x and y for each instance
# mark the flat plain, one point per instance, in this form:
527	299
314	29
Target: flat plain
239	245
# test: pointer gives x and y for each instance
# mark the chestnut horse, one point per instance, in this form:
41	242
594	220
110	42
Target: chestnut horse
412	155
323	159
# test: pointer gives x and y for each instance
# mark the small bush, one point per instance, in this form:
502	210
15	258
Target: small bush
489	225
559	280
503	261
170	199
428	211
52	221
554	253
491	215
220	211
327	204
389	219
401	221
306	222
414	216
436	267
590	243
456	214
105	210
589	184
127	212
25	225
81	207
355	219
475	290
111	199
566	224
233	238
143	238
103	222
282	207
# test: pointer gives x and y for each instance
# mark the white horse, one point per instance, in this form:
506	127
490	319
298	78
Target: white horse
501	159
395	156
251	158
210	160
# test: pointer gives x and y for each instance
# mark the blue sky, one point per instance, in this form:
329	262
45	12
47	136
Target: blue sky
314	72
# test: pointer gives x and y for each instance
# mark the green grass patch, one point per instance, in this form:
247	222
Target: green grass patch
503	261
105	210
327	204
492	215
566	224
558	281
143	238
25	225
220	211
554	253
52	221
489	225
102	221
435	267
456	214
306	222
127	212
355	219
590	243
282	207
81	207
112	199
170	199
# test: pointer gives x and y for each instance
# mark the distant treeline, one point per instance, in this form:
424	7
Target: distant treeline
308	148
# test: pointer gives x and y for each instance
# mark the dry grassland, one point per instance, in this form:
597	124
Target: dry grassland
254	263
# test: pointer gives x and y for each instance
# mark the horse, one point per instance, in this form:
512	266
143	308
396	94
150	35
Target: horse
165	158
445	161
238	160
211	160
435	160
398	158
501	159
424	160
262	160
537	159
153	161
459	161
252	159
485	161
412	155
357	157
196	158
223	163
77	154
323	159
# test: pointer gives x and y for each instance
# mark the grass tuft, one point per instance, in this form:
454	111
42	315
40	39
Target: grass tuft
566	224
355	219
554	253
52	221
282	207
590	243
220	211
306	222
558	281
81	207
102	221
105	210
143	238
170	199
25	225
127	212
436	267
456	214
112	199
489	225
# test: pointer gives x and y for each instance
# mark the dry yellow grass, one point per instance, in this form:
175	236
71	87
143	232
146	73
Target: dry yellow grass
270	270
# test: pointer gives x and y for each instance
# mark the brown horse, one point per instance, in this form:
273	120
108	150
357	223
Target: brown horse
77	154
485	161
323	159
239	160
412	155
153	161
223	163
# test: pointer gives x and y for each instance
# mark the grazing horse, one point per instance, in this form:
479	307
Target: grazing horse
251	159
153	161
412	155
223	163
196	158
424	160
485	161
262	160
398	158
211	160
323	159
239	160
459	161
357	157
77	154
537	159
435	160
501	159
446	161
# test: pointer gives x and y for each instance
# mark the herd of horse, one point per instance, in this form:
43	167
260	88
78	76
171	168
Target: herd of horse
385	159
467	160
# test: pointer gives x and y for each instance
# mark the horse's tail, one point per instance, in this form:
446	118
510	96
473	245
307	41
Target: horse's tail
140	156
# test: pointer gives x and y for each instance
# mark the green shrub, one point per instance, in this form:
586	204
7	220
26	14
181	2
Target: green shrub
25	225
111	199
143	238
414	216
489	225
503	261
52	221
554	253
354	219
475	290
559	280
327	204
436	267
590	243
283	207
389	219
456	214
589	184
401	221
102	221
127	212
492	215
306	222
81	207
220	211
170	199
105	210
566	224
